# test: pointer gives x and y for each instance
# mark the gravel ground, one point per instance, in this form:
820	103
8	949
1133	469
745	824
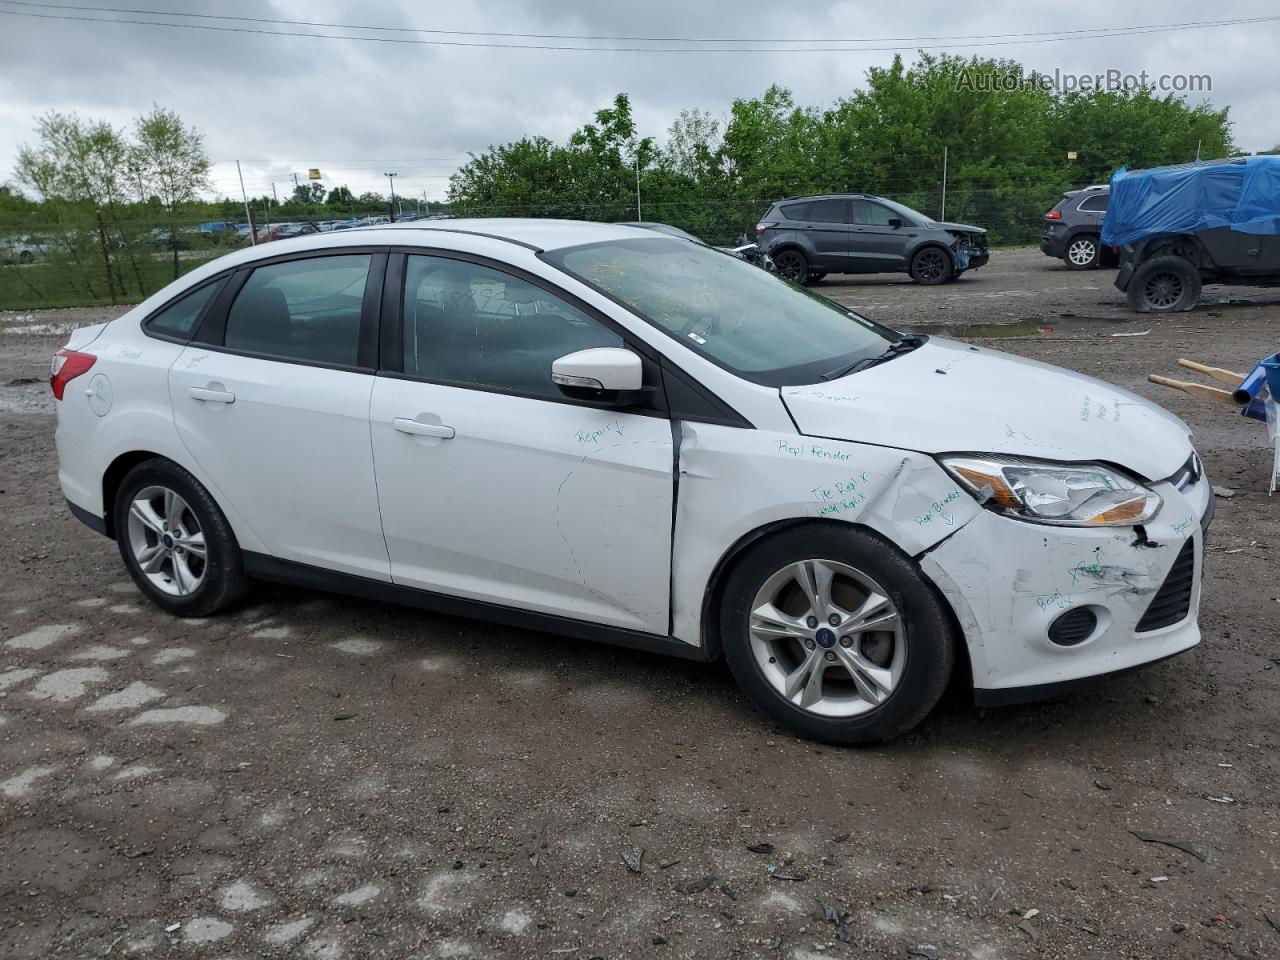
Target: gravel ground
321	777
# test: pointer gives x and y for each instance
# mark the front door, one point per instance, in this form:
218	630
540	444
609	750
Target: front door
496	487
275	409
877	244
827	227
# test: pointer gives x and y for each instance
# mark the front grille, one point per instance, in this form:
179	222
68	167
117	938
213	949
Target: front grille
1172	601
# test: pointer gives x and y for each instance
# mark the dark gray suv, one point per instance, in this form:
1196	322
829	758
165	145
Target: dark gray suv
1073	226
809	237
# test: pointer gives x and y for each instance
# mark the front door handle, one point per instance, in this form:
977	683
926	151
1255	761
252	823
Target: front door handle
212	395
420	429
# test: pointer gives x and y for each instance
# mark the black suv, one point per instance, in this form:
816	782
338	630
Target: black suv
809	237
1072	229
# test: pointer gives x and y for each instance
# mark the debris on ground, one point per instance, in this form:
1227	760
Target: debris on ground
798	877
760	847
633	859
697	886
664	864
1203	854
926	950
1225	493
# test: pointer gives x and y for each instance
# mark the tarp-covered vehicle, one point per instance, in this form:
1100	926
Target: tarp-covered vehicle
1182	226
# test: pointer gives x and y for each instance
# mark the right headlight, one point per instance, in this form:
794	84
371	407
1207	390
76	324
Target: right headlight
1063	494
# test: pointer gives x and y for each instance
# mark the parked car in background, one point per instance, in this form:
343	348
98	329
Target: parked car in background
23	249
810	237
1073	229
609	433
743	251
1183	226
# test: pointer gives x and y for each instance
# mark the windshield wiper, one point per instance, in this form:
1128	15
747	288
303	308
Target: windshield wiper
904	344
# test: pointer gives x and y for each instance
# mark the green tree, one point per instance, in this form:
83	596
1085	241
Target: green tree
167	161
340	197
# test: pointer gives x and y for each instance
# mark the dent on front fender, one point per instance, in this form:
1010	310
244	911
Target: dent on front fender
734	482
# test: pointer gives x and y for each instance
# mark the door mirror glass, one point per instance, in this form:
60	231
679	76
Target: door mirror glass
598	370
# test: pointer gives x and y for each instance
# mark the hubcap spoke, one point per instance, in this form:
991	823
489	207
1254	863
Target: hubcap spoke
814	578
805	681
182	575
146	514
193	544
174	508
873	683
152	558
768	621
876	613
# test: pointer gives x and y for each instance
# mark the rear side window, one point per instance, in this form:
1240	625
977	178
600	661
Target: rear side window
828	211
1096	203
797	211
302	310
178	320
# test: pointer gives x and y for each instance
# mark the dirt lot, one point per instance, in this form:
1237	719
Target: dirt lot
321	777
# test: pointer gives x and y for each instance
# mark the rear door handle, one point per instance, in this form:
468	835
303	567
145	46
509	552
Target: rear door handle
420	429
213	396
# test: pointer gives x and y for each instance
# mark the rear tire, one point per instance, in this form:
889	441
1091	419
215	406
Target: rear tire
176	542
849	683
1084	252
1164	284
931	266
792	265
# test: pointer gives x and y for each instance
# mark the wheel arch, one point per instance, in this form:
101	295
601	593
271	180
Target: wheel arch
114	475
925	244
713	595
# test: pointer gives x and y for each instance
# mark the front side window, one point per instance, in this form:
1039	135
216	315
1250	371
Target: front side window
474	326
179	319
752	322
869	213
305	310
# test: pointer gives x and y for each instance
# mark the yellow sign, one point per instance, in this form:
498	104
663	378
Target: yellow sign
1071	155
314	174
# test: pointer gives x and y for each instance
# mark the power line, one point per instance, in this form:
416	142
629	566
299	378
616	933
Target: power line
1083	34
627	38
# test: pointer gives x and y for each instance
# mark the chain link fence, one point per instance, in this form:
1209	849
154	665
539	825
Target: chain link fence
97	261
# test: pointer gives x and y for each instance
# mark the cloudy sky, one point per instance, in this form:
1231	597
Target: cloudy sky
355	109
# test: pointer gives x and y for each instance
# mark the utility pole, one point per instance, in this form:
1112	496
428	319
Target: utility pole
391	204
639	218
253	230
943	215
275	196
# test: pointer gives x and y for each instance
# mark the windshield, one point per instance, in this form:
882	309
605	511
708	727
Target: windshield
749	321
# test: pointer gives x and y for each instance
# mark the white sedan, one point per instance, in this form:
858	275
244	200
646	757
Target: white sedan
606	433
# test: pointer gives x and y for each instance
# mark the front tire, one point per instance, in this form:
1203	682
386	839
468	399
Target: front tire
931	266
175	541
792	265
1164	284
1083	253
836	634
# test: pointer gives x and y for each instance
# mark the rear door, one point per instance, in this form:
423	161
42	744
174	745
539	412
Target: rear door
827	227
877	244
272	400
495	486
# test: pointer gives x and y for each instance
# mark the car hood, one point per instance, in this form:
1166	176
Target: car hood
948	397
958	227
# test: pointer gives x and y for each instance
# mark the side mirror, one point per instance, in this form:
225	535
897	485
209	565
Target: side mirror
598	372
895	222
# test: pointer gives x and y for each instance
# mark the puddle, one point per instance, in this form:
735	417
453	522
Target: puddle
1026	327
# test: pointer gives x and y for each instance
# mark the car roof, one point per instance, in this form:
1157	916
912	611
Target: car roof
531	232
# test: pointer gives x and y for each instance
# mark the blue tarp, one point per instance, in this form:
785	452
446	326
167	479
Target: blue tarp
1242	194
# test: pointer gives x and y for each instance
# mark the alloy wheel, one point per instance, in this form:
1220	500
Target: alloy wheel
1162	290
1082	252
792	266
166	541
828	638
931	266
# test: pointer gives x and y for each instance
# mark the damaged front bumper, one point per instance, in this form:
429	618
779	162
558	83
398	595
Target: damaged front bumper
1128	598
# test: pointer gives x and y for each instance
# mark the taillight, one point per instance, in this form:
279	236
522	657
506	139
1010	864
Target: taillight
66	366
762	227
1053	215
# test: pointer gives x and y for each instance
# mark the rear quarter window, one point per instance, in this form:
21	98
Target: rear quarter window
796	211
178	320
